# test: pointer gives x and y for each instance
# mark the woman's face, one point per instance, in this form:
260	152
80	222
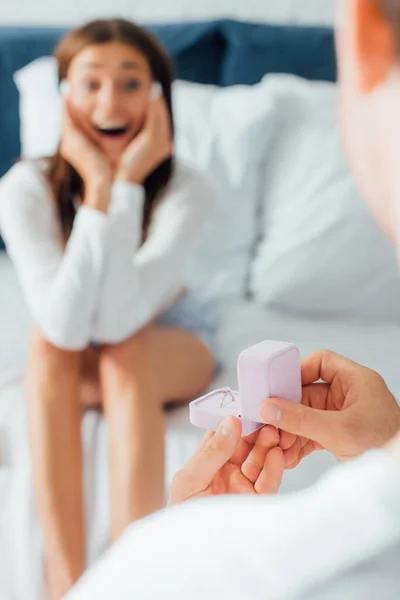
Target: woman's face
109	87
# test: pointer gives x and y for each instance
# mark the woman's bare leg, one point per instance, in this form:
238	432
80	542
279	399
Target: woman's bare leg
138	378
54	424
90	390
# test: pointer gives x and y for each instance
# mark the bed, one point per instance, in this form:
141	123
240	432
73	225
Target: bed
260	282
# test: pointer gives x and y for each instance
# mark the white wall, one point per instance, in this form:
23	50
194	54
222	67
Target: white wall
65	12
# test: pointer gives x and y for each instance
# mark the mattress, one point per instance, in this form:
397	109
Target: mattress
241	325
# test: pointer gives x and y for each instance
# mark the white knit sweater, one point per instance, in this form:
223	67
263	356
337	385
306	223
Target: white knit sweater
103	286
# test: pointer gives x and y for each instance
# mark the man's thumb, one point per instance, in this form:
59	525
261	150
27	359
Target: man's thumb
298	419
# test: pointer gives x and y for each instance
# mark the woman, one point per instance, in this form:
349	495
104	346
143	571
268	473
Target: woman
100	235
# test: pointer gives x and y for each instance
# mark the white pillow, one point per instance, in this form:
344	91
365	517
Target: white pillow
224	133
321	252
39	107
220	131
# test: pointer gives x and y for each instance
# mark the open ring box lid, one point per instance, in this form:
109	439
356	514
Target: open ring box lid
267	370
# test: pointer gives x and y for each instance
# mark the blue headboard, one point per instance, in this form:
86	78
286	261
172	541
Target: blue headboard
223	52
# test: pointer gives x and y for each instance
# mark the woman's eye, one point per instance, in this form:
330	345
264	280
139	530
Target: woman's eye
132	84
91	85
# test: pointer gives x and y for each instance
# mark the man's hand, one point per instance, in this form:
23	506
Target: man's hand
225	463
347	413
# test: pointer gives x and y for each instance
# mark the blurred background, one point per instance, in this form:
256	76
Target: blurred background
48	12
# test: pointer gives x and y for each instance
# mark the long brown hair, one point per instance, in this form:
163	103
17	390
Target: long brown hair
64	180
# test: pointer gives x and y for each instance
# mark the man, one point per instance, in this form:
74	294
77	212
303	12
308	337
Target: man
341	538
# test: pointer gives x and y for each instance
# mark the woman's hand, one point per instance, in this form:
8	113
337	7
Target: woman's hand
151	147
81	151
349	412
225	463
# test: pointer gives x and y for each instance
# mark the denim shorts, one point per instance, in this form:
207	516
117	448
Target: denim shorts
189	314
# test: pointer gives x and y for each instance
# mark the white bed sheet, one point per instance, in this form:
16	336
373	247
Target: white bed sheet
242	324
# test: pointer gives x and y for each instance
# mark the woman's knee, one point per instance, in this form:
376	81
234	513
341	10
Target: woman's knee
125	355
41	347
48	363
129	365
49	366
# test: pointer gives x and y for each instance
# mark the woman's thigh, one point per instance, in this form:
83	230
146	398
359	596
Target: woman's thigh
177	360
181	362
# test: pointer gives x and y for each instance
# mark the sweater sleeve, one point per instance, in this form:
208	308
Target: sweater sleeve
261	547
139	281
60	285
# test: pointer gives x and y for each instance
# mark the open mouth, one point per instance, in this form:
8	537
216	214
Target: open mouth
113	132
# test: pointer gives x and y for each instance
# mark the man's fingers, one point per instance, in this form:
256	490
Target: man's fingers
268	438
270	478
305	451
207	436
318	425
292	446
211	457
323	365
316	395
286	440
292	454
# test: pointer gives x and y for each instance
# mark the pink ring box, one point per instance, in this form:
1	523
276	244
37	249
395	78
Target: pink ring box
267	370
